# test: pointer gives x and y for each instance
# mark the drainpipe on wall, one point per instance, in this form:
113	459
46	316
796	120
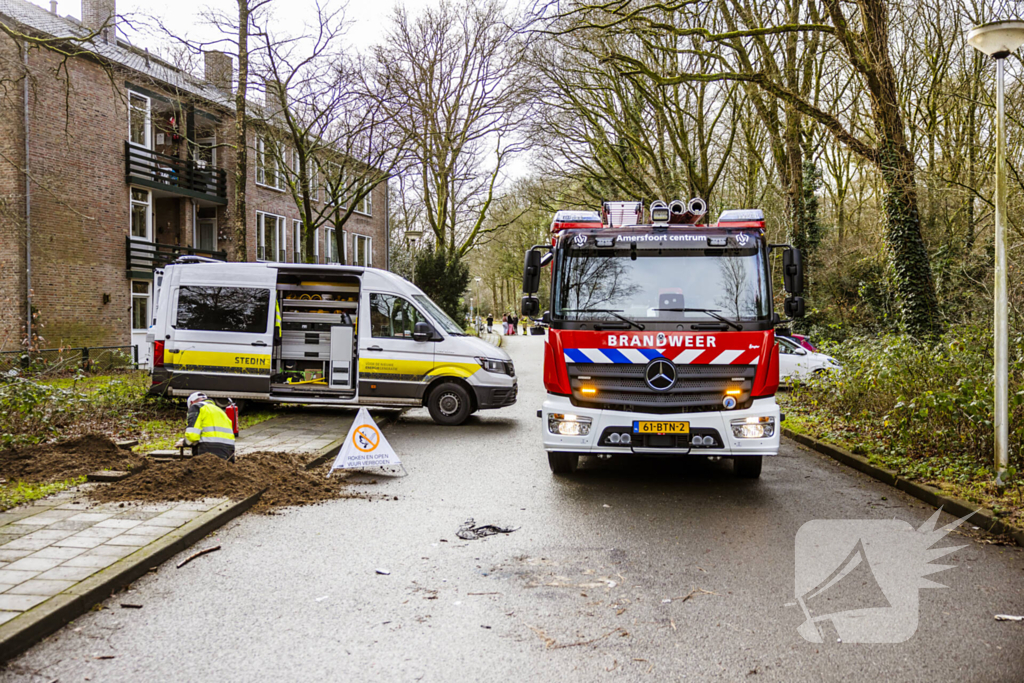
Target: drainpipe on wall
28	217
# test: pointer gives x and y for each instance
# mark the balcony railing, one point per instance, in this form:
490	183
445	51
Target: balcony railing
142	257
181	176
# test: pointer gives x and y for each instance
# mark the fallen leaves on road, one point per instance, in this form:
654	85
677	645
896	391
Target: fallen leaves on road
552	644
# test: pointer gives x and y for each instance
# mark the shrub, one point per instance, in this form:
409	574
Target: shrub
922	400
444	278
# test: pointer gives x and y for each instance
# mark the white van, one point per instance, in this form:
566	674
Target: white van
313	334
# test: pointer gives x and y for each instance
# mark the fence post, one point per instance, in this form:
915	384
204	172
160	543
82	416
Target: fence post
135	355
85	357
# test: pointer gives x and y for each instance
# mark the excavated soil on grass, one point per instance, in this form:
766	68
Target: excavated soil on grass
284	476
57	462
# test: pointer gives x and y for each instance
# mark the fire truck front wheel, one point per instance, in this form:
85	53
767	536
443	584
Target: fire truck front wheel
563	463
747	466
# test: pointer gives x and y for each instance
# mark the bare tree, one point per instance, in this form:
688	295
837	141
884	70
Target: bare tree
453	78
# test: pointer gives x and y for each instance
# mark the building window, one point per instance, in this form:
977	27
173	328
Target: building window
267	171
344	246
270	235
142	214
139	120
312	170
334	183
330	248
361	248
140	305
365	205
206	229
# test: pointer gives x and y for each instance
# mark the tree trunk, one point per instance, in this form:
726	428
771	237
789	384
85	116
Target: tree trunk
908	263
239	220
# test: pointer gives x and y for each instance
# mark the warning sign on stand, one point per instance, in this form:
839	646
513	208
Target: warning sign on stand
365	447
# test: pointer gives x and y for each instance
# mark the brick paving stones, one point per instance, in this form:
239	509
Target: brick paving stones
51	545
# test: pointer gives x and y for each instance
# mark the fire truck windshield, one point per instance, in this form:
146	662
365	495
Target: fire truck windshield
658	284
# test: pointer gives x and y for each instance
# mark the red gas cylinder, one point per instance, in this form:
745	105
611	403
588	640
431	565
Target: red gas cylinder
232	412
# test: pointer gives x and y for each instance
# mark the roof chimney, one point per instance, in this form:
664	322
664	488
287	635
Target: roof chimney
101	15
53	6
218	69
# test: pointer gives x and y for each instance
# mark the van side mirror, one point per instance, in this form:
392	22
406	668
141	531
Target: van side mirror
794	306
531	273
530	305
793	271
422	332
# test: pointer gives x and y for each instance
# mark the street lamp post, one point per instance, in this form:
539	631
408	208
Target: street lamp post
412	237
998	39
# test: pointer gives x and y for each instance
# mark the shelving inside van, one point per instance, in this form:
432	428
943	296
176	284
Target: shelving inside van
316	353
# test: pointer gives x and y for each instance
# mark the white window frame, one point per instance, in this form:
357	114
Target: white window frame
281	223
339	173
329	246
263	166
297	238
368	252
365	205
149	212
148	144
344	247
148	297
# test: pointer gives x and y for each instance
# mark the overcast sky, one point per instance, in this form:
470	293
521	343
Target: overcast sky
368	17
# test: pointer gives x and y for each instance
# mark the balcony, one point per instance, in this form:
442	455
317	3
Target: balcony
142	257
174	176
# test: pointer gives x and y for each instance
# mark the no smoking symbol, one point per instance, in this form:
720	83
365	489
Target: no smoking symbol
366	438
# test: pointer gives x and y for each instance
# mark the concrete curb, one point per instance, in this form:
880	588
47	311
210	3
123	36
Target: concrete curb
20	633
331	450
982	517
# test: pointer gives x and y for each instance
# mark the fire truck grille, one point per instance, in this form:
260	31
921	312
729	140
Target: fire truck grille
621	386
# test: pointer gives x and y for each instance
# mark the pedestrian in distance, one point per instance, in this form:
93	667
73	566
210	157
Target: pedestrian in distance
490	322
209	429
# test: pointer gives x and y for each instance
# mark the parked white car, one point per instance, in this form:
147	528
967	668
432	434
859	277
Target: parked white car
796	362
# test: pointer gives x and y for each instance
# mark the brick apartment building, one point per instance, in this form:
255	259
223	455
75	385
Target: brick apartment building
129	164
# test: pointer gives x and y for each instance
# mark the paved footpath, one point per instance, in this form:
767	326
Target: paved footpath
48	547
306	431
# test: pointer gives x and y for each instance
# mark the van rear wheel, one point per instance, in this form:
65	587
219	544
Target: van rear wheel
747	466
449	404
563	463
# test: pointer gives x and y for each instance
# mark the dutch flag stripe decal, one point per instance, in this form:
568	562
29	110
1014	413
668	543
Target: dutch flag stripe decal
726	357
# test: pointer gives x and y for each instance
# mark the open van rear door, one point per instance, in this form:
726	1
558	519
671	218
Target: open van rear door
221	332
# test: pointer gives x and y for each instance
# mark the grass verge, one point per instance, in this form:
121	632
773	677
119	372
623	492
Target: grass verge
19	492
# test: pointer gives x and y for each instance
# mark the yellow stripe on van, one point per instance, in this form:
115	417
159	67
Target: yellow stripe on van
462	370
218	361
412	370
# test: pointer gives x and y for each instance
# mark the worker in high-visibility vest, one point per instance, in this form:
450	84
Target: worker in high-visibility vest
209	428
277	320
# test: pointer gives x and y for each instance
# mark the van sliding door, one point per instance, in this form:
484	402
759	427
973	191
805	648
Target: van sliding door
222	330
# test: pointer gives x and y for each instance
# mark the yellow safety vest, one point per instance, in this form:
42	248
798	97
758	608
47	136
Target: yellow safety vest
211	429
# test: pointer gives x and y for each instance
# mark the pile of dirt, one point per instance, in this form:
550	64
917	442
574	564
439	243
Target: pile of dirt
56	462
284	476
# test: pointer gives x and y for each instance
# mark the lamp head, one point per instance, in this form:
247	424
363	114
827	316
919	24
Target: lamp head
998	38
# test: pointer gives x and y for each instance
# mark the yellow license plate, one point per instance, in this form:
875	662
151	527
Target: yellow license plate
661	427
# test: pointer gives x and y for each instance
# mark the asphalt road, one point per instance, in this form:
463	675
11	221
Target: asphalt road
592	585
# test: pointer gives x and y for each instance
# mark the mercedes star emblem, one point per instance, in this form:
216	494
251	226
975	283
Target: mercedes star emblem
660	374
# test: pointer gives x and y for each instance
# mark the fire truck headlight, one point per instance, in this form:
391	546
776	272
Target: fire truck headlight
754	428
568	425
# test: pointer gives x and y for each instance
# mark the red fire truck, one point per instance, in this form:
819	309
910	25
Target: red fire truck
661	334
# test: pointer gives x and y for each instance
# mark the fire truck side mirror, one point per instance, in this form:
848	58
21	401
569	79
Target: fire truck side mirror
531	306
531	272
793	271
794	306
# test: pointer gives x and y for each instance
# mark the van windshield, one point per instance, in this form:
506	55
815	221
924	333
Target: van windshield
439	316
